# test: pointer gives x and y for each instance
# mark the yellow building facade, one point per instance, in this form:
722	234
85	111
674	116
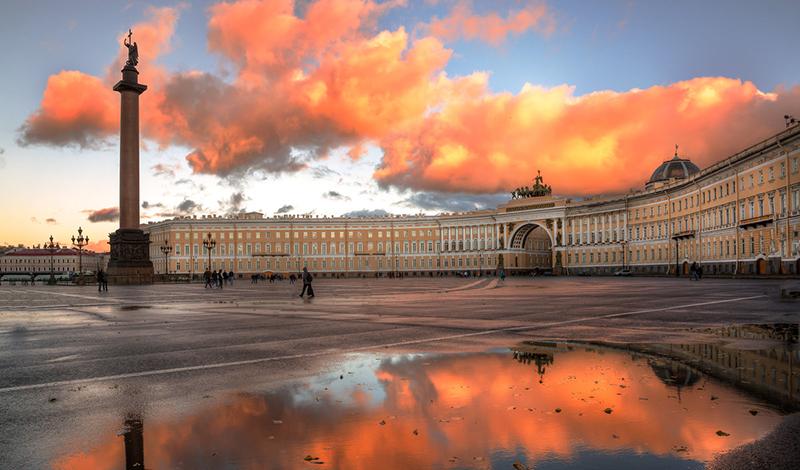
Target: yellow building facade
740	216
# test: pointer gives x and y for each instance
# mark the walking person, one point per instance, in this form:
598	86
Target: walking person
230	277
207	278
307	278
220	278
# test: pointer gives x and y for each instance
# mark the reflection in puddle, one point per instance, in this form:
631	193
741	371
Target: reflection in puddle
545	405
133	436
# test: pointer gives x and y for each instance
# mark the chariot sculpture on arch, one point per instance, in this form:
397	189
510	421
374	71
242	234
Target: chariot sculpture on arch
133	51
538	189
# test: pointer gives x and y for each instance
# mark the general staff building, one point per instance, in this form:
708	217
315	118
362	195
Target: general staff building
740	216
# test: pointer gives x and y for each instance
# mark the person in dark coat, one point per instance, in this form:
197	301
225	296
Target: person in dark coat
307	278
207	278
102	281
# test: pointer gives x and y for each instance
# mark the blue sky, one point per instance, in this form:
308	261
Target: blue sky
609	45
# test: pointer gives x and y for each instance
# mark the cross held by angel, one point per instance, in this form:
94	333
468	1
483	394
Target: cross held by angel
133	50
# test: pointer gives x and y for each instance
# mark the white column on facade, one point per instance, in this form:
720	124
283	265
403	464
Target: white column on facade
588	234
625	226
555	232
602	230
505	236
603	237
572	230
449	238
471	246
563	231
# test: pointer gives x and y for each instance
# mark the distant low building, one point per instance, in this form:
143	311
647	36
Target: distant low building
36	261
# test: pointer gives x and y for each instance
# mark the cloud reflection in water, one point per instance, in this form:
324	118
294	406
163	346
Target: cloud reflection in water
463	410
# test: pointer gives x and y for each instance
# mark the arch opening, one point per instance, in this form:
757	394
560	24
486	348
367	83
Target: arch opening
533	247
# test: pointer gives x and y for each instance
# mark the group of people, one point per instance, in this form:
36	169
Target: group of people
695	272
217	278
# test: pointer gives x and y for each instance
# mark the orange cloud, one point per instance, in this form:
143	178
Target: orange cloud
303	92
305	84
492	28
76	108
601	142
82	109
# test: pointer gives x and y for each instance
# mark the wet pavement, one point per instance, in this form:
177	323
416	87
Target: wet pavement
414	373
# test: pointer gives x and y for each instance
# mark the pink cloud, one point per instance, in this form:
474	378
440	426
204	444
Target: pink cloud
463	22
303	85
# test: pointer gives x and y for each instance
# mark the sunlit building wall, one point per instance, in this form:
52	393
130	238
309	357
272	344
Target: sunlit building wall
27	261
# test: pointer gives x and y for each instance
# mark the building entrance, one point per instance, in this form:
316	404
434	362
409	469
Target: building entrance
761	266
533	250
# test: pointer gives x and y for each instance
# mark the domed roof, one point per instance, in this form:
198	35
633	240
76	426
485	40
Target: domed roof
677	167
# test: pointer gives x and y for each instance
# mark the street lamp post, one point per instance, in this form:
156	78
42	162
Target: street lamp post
209	244
166	249
79	243
51	247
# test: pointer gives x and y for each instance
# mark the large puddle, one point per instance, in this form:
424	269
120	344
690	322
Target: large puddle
542	405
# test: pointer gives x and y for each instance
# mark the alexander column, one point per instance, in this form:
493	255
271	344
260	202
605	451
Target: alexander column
130	246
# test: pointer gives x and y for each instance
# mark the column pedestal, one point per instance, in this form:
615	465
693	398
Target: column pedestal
130	258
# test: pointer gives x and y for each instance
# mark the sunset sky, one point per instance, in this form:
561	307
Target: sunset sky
338	106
